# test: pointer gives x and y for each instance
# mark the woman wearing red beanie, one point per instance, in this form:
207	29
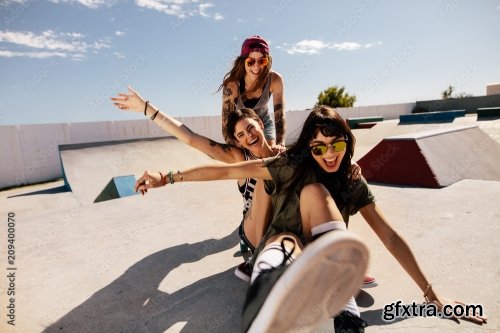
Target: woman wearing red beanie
250	84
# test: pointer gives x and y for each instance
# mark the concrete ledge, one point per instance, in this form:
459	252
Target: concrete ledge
488	112
431	117
355	122
366	125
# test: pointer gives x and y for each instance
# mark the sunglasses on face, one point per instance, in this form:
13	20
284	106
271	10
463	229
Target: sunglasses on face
321	149
261	61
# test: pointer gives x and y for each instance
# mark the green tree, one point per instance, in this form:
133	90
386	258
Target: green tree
336	97
450	93
445	94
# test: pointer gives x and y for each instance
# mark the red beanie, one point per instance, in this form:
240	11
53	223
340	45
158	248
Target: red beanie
254	44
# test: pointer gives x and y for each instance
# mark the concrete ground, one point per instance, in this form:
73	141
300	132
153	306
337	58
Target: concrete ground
164	262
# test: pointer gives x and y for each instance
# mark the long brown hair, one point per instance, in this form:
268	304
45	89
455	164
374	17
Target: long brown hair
238	72
330	123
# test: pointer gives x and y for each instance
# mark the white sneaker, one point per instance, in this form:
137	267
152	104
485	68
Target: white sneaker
316	286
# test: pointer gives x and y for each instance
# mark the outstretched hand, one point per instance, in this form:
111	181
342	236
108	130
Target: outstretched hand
469	313
131	101
355	171
149	180
278	149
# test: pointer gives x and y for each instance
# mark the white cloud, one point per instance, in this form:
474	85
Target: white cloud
314	46
119	55
6	3
119	33
46	40
307	46
218	16
38	55
88	3
346	46
49	43
369	45
203	6
181	8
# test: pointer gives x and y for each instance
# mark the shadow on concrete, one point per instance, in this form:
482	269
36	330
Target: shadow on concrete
53	190
133	303
374	318
364	299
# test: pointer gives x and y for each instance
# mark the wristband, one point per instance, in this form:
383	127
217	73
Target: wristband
154	115
170	176
426	291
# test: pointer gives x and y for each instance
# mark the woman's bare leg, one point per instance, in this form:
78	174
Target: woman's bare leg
257	218
317	207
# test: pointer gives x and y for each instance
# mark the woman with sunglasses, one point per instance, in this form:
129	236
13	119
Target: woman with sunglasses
250	84
307	266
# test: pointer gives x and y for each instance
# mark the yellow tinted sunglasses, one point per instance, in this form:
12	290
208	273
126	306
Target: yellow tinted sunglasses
321	149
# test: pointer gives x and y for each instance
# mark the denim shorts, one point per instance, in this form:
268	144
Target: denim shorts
269	129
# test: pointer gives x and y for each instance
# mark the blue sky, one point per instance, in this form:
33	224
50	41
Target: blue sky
61	60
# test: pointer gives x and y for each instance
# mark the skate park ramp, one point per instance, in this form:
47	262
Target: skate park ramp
435	158
88	168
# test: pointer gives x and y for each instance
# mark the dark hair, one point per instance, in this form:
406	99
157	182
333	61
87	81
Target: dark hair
330	123
238	72
236	116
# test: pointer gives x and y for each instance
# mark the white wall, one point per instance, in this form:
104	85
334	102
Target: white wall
493	89
390	111
30	153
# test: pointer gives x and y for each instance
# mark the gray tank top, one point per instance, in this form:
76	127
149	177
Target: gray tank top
261	107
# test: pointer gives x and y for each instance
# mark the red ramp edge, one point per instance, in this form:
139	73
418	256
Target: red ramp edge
433	158
399	162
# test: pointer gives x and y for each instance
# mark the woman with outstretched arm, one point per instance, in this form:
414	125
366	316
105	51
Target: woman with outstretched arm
307	266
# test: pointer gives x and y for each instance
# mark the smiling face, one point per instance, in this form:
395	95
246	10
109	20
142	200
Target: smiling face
329	161
258	62
249	134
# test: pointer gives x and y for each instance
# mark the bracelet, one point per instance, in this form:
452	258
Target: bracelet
170	176
163	180
154	115
426	291
181	177
146	107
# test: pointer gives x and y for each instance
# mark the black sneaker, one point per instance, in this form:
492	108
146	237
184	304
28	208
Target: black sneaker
315	287
244	271
346	322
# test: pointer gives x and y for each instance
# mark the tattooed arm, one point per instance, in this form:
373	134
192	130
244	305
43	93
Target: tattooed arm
229	96
277	89
133	101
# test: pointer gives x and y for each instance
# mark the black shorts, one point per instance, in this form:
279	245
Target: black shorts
244	238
